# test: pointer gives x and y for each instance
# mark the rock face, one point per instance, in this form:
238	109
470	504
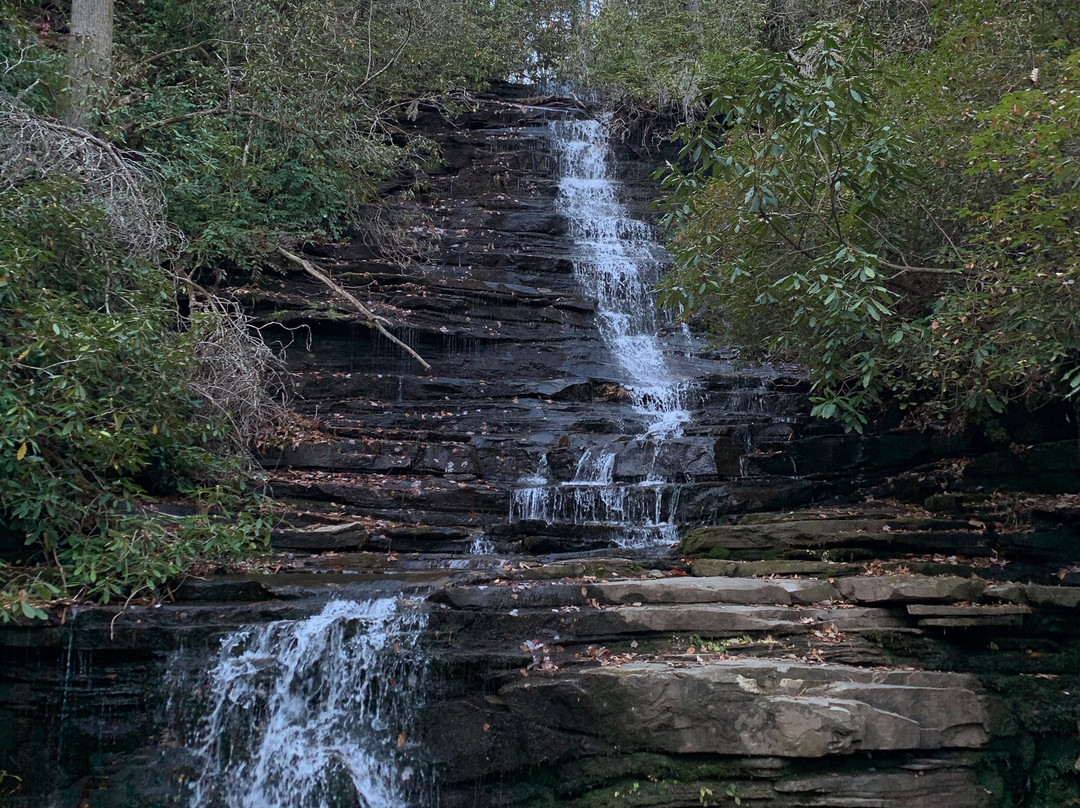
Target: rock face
665	687
837	656
756	708
522	377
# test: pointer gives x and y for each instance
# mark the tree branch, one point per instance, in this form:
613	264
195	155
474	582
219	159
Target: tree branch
174	52
225	110
187	116
373	320
903	270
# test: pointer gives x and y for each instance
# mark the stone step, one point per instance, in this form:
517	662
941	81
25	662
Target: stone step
751	708
980	616
652	591
435	501
617	622
373	455
854	538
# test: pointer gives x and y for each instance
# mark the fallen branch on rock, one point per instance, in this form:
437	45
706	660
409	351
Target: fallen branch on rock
373	320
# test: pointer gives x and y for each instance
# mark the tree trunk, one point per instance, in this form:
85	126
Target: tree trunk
89	57
693	9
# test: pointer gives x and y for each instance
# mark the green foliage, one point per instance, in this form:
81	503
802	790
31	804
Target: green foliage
97	411
259	122
657	54
897	223
268	121
784	218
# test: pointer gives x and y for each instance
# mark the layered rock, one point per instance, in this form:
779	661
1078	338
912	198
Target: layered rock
666	689
851	657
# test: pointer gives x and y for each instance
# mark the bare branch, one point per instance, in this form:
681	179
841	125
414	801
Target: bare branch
187	116
903	270
175	52
373	320
33	146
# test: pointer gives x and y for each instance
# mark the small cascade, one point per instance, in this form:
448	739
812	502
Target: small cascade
481	545
618	265
314	713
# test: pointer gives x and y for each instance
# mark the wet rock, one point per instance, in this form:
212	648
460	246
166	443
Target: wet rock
727	456
344	536
909	588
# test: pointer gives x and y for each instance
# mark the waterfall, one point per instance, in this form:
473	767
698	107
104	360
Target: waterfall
314	713
618	264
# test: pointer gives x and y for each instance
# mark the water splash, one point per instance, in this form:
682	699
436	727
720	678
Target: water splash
313	713
481	545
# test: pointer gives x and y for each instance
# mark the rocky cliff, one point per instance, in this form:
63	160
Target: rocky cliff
847	621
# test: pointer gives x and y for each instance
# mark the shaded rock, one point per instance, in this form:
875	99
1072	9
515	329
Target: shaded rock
221	590
755	707
345	536
797	538
653	591
968	616
1050	468
909	588
1065	597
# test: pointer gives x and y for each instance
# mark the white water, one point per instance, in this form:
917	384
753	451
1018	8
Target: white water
313	713
618	266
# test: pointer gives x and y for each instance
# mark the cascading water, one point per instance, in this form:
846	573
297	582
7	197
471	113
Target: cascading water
618	265
313	713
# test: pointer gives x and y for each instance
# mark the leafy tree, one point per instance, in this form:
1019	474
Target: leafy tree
905	245
220	131
99	410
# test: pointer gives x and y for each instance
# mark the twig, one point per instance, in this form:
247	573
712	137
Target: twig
373	320
903	270
25	90
176	51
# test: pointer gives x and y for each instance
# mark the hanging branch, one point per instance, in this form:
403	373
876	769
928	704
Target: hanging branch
373	320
